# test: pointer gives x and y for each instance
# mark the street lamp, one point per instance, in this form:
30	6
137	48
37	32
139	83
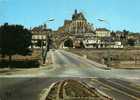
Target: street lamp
44	52
108	53
49	20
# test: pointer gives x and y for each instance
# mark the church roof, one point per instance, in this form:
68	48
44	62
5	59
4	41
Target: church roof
78	16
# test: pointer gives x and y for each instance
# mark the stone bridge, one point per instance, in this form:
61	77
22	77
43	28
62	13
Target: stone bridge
63	39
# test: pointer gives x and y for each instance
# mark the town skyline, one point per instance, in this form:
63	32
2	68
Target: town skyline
69	49
117	13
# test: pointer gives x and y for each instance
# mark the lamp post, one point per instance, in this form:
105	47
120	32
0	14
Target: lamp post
108	52
44	52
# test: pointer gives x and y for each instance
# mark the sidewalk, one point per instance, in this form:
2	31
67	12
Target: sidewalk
49	59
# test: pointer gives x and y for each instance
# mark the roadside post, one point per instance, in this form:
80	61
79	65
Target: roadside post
109	41
47	47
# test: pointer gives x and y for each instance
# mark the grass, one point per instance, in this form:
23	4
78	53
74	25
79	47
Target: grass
19	61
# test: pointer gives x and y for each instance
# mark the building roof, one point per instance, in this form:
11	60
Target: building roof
102	29
66	22
78	16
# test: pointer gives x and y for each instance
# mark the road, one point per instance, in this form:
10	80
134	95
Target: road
34	88
24	88
66	64
69	65
113	82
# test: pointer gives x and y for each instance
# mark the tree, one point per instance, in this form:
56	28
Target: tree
40	43
131	42
82	44
68	43
14	39
125	34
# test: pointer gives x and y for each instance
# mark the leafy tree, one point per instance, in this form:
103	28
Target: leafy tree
125	34
14	39
131	42
40	43
82	44
68	43
113	33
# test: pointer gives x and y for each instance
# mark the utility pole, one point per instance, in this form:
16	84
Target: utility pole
48	43
109	41
45	51
109	54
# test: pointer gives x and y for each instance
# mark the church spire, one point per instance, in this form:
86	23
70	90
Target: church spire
75	11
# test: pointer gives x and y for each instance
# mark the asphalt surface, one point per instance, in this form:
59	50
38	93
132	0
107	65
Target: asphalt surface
17	86
69	65
33	88
24	88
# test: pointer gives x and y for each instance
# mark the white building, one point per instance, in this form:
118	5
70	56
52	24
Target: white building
39	35
117	44
102	32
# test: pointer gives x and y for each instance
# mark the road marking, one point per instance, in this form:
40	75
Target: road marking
45	92
135	85
123	86
99	86
129	95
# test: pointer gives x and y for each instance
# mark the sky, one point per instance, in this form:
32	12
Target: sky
120	14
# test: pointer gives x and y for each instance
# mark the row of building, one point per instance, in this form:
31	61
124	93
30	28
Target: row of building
80	32
40	36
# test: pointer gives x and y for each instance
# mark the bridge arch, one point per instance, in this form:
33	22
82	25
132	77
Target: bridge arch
66	43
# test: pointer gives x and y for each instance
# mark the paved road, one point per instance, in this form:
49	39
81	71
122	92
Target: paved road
66	65
69	65
117	88
27	88
24	88
34	88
